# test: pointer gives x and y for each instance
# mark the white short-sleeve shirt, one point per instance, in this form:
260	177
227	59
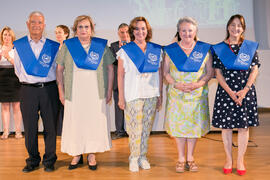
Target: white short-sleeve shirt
138	85
4	61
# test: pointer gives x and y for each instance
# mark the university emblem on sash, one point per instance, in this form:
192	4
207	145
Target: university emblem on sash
147	62
152	58
196	56
243	58
46	59
240	61
93	57
36	66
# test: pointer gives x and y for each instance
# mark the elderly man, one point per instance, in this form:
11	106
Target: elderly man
119	114
35	67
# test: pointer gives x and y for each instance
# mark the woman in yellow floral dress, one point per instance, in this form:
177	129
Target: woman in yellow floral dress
187	69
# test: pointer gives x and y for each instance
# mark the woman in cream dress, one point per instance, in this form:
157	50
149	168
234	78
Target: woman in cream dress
82	91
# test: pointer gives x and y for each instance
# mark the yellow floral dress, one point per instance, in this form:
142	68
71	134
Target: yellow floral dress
187	114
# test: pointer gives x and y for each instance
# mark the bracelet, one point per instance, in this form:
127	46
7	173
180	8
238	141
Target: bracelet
247	86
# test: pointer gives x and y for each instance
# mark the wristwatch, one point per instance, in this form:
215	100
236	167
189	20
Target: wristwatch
247	86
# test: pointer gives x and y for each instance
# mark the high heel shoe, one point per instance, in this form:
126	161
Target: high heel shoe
74	166
5	135
241	172
227	171
91	167
18	135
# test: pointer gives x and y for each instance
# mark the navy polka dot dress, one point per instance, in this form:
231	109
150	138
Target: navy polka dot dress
226	114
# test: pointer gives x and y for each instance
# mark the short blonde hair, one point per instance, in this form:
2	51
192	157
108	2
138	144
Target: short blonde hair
81	18
6	28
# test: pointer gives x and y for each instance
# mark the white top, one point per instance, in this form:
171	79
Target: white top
138	85
20	71
4	61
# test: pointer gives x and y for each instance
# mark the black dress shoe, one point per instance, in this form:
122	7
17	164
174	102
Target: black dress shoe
74	166
119	135
116	136
49	168
29	168
91	167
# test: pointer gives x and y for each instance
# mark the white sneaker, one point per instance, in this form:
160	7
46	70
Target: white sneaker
144	164
133	165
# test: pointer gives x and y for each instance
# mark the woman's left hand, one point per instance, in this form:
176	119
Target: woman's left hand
121	103
191	86
240	96
108	98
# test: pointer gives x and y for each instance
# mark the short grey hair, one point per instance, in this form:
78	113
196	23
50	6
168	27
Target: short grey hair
122	25
187	20
35	13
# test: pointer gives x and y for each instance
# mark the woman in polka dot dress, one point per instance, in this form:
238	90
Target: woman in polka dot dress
235	102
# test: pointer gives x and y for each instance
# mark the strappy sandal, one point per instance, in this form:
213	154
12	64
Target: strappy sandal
5	135
18	135
180	167
191	166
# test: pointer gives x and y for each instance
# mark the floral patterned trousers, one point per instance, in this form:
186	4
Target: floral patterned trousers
139	117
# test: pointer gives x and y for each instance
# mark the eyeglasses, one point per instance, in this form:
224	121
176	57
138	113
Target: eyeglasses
36	22
85	27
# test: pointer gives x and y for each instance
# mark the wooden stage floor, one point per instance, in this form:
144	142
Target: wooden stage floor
162	154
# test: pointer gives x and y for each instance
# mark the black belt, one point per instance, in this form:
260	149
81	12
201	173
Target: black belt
6	66
38	85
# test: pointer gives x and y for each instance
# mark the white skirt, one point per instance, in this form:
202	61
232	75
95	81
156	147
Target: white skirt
85	128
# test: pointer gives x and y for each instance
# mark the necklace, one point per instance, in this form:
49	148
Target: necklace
185	47
230	45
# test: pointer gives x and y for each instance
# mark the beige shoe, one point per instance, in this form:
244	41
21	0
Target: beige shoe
180	167
5	135
191	166
18	135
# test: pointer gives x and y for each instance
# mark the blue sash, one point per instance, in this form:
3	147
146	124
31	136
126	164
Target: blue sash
33	66
240	62
148	62
191	63
83	60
